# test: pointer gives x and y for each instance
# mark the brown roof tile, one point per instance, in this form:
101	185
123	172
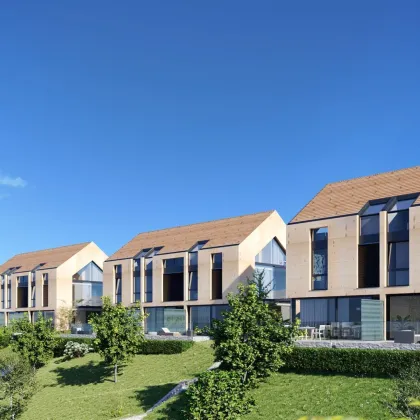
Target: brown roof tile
222	232
348	197
51	258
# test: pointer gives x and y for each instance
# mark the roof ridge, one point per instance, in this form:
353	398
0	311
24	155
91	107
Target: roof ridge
51	249
208	221
370	176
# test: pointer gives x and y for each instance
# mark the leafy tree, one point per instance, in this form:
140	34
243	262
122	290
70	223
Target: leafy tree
119	333
35	342
65	316
252	337
17	385
262	288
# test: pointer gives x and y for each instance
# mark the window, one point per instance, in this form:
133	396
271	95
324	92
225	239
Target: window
398	219
2	292
88	286
173	279
193	285
398	264
320	259
216	276
9	292
118	280
202	316
172	318
22	292
33	289
136	280
148	275
369	265
45	289
369	221
272	253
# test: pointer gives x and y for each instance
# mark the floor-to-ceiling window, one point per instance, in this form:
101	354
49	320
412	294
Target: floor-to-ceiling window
319	258
172	318
272	262
136	280
88	286
202	316
403	313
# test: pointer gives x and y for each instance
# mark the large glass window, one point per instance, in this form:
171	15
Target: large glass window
9	292
33	289
88	286
172	318
398	264
369	221
193	285
2	319
272	253
202	316
404	313
320	259
2	291
173	279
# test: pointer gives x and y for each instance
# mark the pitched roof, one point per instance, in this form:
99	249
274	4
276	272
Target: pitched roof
348	197
50	258
222	232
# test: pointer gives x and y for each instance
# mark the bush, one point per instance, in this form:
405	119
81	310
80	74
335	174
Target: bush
407	394
218	395
353	361
73	350
164	346
5	337
61	343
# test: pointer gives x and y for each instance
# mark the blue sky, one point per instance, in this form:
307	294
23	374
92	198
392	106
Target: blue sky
123	117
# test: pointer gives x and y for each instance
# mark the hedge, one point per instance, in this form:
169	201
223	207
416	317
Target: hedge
350	361
165	346
147	347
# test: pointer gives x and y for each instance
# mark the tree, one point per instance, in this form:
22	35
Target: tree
119	333
17	385
252	337
65	316
263	289
35	342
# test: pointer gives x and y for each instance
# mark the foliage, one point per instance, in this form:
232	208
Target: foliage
65	316
251	338
119	333
407	393
164	346
35	342
218	395
17	385
61	343
354	361
74	349
262	288
5	337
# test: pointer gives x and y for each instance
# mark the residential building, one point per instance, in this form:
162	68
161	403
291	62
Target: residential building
181	276
42	282
354	256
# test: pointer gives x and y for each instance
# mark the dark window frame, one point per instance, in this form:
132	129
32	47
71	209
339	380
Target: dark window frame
319	244
395	270
45	290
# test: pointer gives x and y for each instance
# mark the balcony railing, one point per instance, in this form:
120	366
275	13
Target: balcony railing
80	328
92	301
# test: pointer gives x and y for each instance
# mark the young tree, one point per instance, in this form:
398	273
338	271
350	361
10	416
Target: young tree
17	385
252	337
35	342
263	289
119	333
65	316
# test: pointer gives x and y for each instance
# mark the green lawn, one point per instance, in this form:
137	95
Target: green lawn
289	396
83	388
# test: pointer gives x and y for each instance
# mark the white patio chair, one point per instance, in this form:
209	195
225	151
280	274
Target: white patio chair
320	332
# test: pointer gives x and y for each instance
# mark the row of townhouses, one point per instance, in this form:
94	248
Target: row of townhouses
353	265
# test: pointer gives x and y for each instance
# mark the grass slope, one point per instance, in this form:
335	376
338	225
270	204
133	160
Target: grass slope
83	388
289	396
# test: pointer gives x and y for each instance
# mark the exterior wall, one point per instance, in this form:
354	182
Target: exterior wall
59	281
343	240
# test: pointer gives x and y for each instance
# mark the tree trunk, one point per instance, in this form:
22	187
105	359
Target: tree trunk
115	373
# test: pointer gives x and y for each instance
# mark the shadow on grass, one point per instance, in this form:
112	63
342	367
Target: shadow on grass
172	409
89	373
150	395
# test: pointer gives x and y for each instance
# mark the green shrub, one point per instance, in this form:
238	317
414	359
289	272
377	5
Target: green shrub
5	337
62	341
73	350
218	395
164	346
352	361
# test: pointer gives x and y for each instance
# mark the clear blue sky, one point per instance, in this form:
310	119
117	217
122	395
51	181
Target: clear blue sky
123	117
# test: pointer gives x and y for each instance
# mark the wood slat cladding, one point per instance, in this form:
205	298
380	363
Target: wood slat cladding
218	233
51	258
348	197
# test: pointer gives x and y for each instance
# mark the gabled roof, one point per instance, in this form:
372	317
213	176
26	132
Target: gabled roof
348	197
217	233
50	258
